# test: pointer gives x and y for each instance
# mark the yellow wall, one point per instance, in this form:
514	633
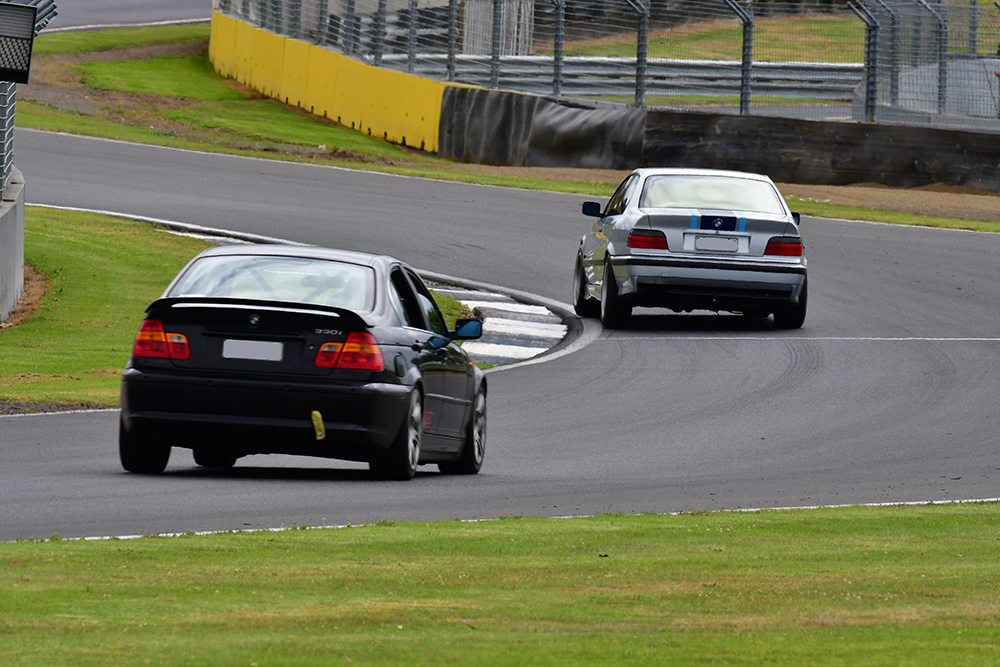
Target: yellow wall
394	106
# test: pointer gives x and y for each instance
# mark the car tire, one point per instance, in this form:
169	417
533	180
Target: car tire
615	311
474	448
792	316
213	458
400	461
583	306
141	451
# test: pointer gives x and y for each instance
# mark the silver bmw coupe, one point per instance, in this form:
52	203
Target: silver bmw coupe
692	239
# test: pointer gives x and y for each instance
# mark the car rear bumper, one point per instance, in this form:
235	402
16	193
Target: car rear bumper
694	283
265	417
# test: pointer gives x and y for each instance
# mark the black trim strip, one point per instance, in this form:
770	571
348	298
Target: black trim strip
701	264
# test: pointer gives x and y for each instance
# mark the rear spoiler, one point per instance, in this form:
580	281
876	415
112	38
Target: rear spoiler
256	304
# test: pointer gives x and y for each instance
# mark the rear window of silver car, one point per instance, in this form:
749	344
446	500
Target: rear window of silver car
723	193
289	279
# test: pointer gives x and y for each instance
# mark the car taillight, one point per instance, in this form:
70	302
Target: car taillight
327	355
361	352
152	341
178	346
652	239
788	246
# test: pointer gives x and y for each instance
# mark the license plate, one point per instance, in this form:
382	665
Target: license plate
258	350
717	243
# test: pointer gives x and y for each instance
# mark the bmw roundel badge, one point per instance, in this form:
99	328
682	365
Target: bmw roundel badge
718	223
254	319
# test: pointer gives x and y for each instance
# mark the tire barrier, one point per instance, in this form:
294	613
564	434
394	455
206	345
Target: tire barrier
502	128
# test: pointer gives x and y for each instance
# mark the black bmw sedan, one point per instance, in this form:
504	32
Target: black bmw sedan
302	350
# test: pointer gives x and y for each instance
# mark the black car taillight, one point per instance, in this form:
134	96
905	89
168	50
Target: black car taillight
328	355
787	246
651	239
152	341
359	352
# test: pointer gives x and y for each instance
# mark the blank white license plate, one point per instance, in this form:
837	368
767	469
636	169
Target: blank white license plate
717	243
259	350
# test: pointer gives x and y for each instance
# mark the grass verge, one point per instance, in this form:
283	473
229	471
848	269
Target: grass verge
913	585
823	210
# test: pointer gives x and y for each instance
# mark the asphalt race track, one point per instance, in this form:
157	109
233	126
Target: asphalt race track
886	395
82	13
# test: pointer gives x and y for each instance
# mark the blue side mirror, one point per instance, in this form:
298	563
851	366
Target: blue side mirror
468	329
592	209
797	217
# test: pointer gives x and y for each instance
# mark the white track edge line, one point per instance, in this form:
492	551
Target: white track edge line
112	26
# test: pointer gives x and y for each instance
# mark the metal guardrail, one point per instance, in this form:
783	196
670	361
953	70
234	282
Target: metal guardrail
46	11
616	76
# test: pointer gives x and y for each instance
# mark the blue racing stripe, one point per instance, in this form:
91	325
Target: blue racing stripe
743	223
694	218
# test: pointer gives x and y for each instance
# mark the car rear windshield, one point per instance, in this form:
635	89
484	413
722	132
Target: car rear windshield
724	193
289	279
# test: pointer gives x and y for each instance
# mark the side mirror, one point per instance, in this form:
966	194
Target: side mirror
468	329
592	209
797	217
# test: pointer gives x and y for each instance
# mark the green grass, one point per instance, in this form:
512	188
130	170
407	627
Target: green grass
849	586
70	43
262	121
172	77
810	38
824	210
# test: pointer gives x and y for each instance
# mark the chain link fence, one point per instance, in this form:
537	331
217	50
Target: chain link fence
928	62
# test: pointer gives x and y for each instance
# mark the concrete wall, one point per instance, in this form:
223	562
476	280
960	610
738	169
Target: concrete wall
11	244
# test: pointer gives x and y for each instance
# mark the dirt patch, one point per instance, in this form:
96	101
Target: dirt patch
35	287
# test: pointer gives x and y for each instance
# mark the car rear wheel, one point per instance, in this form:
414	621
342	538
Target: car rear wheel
401	459
792	316
474	449
141	451
211	458
583	306
615	311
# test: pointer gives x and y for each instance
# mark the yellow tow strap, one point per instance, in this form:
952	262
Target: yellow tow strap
317	419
